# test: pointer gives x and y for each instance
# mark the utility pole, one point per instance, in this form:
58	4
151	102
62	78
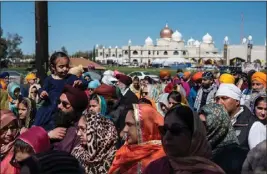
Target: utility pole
41	39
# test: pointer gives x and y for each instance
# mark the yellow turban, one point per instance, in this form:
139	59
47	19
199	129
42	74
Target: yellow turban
30	76
260	77
227	78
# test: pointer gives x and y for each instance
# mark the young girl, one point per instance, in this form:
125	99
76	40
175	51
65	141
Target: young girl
13	90
27	111
33	141
52	88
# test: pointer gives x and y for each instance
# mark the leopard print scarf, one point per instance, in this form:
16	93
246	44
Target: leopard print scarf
101	134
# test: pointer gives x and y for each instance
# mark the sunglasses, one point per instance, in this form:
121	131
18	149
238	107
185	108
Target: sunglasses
64	103
91	89
174	129
145	93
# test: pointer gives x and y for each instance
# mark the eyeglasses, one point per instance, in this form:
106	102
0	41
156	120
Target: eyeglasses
174	129
91	89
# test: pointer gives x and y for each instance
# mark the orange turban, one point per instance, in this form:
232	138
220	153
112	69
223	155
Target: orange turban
187	74
30	76
227	78
164	73
260	77
197	76
3	84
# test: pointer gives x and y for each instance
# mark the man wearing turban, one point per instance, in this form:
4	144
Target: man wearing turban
258	84
71	104
242	119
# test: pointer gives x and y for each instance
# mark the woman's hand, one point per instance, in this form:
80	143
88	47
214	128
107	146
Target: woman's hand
23	129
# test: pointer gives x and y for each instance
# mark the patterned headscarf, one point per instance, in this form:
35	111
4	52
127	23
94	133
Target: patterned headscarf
219	129
100	150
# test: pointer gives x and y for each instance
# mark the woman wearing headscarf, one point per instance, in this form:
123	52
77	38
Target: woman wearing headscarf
97	105
142	144
9	131
226	151
13	90
26	112
162	104
258	129
98	137
33	93
185	144
147	92
4	103
92	86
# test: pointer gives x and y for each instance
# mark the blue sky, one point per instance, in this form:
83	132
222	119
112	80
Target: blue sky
81	25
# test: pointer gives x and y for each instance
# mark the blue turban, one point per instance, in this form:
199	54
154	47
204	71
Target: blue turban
4	75
94	84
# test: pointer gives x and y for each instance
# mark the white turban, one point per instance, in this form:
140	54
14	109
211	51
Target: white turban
229	90
109	80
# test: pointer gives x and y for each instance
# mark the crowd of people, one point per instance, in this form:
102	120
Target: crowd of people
191	122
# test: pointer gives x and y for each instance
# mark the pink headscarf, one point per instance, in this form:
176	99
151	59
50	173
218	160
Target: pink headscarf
6	117
37	138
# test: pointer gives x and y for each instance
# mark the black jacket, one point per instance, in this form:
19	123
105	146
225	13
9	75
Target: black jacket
242	126
230	158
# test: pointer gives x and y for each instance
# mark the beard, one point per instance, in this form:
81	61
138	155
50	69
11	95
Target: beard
65	119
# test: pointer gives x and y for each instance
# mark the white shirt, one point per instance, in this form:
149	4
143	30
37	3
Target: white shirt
233	120
257	134
125	91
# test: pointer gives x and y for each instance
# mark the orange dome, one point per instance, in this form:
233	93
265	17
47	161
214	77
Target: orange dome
166	32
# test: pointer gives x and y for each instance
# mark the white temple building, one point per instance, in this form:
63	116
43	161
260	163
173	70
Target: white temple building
172	48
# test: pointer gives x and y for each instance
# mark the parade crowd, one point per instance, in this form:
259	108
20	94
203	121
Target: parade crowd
190	123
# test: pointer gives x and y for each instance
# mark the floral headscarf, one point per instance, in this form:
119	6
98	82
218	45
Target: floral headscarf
220	131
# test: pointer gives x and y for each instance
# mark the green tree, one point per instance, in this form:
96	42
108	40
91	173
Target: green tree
13	42
64	50
3	45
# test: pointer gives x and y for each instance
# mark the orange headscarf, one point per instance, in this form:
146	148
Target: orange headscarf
133	158
260	77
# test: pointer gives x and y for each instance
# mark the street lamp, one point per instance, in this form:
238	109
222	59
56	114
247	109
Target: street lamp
225	48
249	48
129	50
